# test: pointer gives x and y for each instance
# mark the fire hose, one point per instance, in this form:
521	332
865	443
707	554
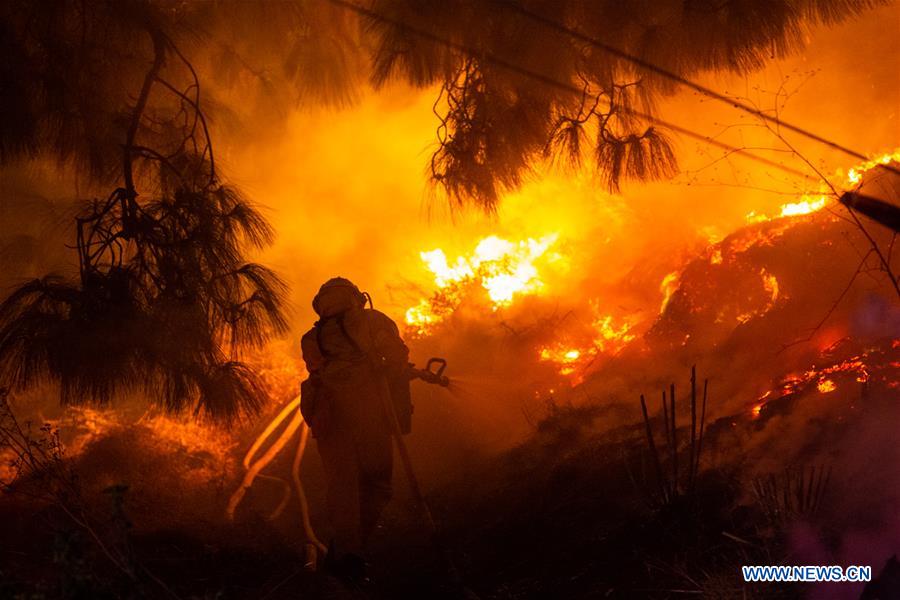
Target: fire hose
254	469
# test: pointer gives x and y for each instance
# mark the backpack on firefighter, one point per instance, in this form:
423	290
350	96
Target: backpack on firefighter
337	300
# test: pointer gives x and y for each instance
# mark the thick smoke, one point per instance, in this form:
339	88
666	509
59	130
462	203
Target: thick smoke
346	189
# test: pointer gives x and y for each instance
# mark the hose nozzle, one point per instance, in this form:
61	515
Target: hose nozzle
432	373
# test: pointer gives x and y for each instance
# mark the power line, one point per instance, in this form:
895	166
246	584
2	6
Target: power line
684	81
567	87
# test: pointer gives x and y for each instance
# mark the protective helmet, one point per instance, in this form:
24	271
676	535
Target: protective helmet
338	295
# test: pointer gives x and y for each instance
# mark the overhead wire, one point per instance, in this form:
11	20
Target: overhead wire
555	83
498	61
663	72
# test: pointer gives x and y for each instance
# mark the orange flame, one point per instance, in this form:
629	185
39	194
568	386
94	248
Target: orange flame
825	385
822	378
812	202
567	359
503	269
607	340
667	286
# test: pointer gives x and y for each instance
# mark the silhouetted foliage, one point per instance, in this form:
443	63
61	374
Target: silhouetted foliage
165	300
514	87
510	76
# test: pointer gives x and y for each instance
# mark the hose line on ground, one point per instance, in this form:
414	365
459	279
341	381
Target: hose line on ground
254	468
301	493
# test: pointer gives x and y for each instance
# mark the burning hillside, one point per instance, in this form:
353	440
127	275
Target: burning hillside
774	284
775	265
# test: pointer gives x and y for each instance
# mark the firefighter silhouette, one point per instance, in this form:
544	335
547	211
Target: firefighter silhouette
355	358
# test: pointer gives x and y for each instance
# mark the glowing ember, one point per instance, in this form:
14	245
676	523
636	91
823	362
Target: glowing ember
502	268
851	365
193	437
80	426
610	338
825	385
827	379
760	403
8	469
668	286
770	283
566	358
607	340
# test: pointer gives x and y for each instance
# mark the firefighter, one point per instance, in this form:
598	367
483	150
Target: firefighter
355	358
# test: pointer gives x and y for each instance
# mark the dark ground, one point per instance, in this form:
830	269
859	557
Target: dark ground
569	514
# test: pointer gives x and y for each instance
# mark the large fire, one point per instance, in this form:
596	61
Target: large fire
812	202
498	272
501	271
502	268
651	274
